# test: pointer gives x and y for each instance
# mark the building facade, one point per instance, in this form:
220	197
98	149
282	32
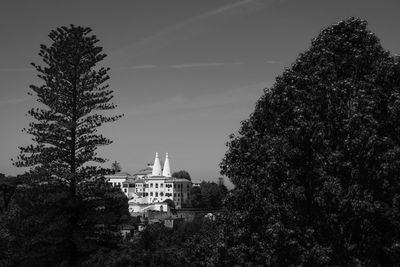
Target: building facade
153	184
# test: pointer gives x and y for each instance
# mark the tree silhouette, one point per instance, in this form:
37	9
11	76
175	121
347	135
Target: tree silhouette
73	90
73	97
316	166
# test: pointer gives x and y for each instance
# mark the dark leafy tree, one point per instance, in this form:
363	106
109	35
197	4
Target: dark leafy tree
116	167
188	244
206	247
316	167
182	174
38	225
103	209
8	186
208	195
196	198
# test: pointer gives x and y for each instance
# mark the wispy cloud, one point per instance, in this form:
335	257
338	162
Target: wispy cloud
141	67
232	99
182	66
205	64
16	69
184	29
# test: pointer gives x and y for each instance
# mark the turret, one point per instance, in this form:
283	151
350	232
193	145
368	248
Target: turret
156	166
167	168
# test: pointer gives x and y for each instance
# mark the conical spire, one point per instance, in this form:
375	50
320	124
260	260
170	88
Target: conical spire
156	166
167	169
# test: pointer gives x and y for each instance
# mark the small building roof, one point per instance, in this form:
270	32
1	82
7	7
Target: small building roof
156	177
118	174
177	180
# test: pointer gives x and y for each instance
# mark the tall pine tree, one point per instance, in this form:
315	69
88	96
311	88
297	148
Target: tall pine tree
72	94
73	98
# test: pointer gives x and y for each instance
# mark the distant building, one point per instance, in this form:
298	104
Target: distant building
118	179
196	183
153	185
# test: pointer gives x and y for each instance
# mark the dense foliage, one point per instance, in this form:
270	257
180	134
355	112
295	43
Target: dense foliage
190	244
316	167
37	228
182	174
208	195
8	185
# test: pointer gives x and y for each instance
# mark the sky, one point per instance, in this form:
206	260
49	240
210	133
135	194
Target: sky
185	73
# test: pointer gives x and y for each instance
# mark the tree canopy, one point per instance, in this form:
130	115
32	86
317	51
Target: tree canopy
116	167
208	195
182	174
316	166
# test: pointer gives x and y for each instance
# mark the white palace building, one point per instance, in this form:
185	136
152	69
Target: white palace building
149	188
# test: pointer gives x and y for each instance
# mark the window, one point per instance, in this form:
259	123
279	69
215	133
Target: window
161	194
174	194
156	185
161	185
174	185
151	185
151	194
156	194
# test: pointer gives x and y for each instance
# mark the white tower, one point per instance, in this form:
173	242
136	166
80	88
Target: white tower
167	169
156	166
